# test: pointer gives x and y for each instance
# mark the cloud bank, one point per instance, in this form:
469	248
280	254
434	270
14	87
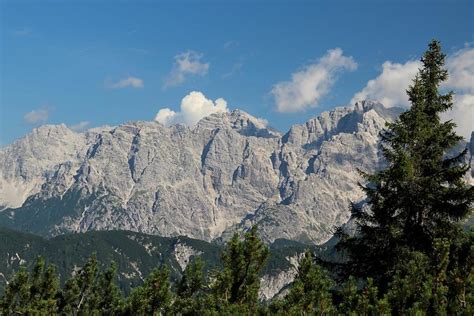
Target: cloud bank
186	64
37	116
193	107
133	82
313	82
391	85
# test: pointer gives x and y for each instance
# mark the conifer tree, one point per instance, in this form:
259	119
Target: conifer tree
239	280
310	292
460	275
80	295
17	294
411	291
110	297
154	297
32	293
191	298
192	281
421	195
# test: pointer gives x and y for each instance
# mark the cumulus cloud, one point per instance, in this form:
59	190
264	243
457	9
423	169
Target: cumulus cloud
462	114
37	116
81	126
461	79
193	107
186	64
461	70
130	81
309	85
391	85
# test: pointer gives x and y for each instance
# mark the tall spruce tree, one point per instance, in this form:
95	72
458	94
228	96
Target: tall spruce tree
421	195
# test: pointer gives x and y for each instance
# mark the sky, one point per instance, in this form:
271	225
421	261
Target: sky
94	63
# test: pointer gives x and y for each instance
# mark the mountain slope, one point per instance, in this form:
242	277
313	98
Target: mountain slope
227	173
136	255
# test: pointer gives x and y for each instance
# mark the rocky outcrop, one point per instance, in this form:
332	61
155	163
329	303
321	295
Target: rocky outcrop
228	172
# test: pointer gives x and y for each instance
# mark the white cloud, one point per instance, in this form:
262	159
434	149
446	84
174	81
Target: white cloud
462	114
461	79
133	82
186	64
391	85
194	107
37	116
166	117
81	126
308	86
461	70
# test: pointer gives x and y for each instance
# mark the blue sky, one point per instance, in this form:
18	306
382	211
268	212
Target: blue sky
95	63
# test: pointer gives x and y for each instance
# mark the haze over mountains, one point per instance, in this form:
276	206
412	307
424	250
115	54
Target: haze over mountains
226	173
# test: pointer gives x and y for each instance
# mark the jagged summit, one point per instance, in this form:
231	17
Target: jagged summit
226	173
240	121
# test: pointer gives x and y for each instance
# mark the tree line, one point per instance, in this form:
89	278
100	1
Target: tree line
408	256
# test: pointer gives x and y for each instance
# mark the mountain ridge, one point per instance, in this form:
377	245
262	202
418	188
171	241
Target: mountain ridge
228	172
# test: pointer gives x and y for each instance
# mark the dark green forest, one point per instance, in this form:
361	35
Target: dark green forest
409	254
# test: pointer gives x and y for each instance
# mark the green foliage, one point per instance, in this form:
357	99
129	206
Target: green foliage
418	287
460	275
310	292
80	295
154	297
421	196
111	301
191	291
192	282
239	280
28	293
411	289
410	256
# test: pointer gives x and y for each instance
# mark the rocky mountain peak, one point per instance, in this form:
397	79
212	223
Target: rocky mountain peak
228	172
239	121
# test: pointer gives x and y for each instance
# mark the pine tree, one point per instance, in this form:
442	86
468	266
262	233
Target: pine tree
80	295
44	288
191	298
239	280
17	294
310	292
154	297
110	297
421	195
368	302
192	281
460	275
411	291
349	297
32	293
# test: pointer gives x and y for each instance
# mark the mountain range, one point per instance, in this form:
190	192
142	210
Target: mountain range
225	174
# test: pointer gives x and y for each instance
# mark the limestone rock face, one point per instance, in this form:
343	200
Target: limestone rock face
228	172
